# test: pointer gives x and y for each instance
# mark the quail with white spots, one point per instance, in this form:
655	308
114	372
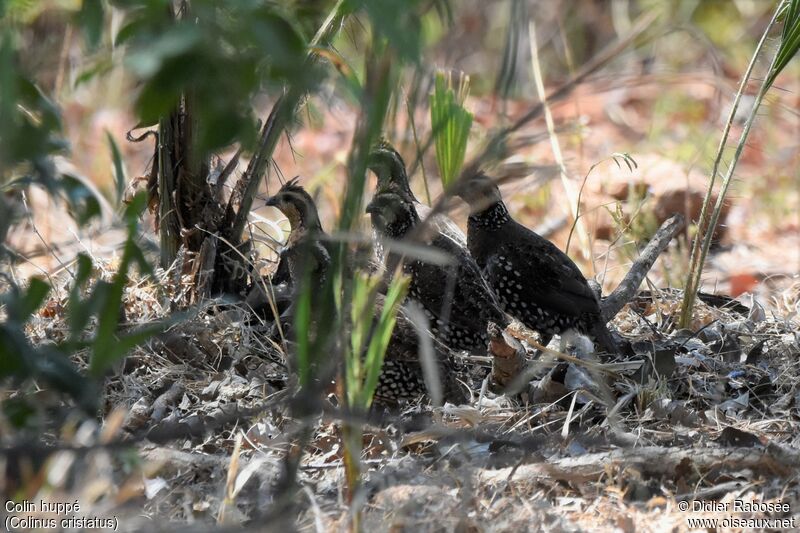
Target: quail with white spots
308	258
455	298
536	283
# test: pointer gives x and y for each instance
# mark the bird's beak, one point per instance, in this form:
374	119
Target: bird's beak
272	201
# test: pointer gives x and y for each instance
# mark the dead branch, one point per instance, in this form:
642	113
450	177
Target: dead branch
170	397
226	173
508	356
650	461
203	271
626	290
194	425
247	187
175	461
280	117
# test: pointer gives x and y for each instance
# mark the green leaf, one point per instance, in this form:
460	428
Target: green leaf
53	366
119	171
790	39
176	42
451	124
83	201
397	21
97	68
15	357
369	338
31	300
302	327
380	341
105	356
78	310
18	411
90	18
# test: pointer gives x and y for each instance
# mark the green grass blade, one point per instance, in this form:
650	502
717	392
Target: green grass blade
380	340
790	39
369	338
119	170
451	124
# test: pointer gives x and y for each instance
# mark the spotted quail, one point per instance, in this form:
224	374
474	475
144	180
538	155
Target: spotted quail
455	298
306	254
536	283
402	376
390	169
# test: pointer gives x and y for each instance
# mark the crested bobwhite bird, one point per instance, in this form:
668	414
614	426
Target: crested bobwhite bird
390	169
307	254
306	250
455	298
536	283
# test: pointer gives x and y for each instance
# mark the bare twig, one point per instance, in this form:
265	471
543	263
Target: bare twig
626	290
168	398
175	461
508	356
279	118
652	460
226	172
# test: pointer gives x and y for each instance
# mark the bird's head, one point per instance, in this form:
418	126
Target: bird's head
297	205
479	191
389	168
392	214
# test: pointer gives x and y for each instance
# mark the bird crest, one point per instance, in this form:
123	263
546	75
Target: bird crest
389	167
298	206
293	186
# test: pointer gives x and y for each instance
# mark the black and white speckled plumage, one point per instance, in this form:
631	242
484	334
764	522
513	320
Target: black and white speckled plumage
455	298
402	378
307	254
535	281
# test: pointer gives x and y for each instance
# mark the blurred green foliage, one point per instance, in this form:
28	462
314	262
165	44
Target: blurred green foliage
101	304
30	124
221	56
30	135
369	337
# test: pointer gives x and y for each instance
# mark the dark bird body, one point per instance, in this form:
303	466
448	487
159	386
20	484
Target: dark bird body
455	298
308	260
536	283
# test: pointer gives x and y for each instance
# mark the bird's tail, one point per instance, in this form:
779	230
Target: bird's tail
603	337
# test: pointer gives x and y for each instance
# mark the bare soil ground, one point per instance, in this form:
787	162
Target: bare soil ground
710	417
